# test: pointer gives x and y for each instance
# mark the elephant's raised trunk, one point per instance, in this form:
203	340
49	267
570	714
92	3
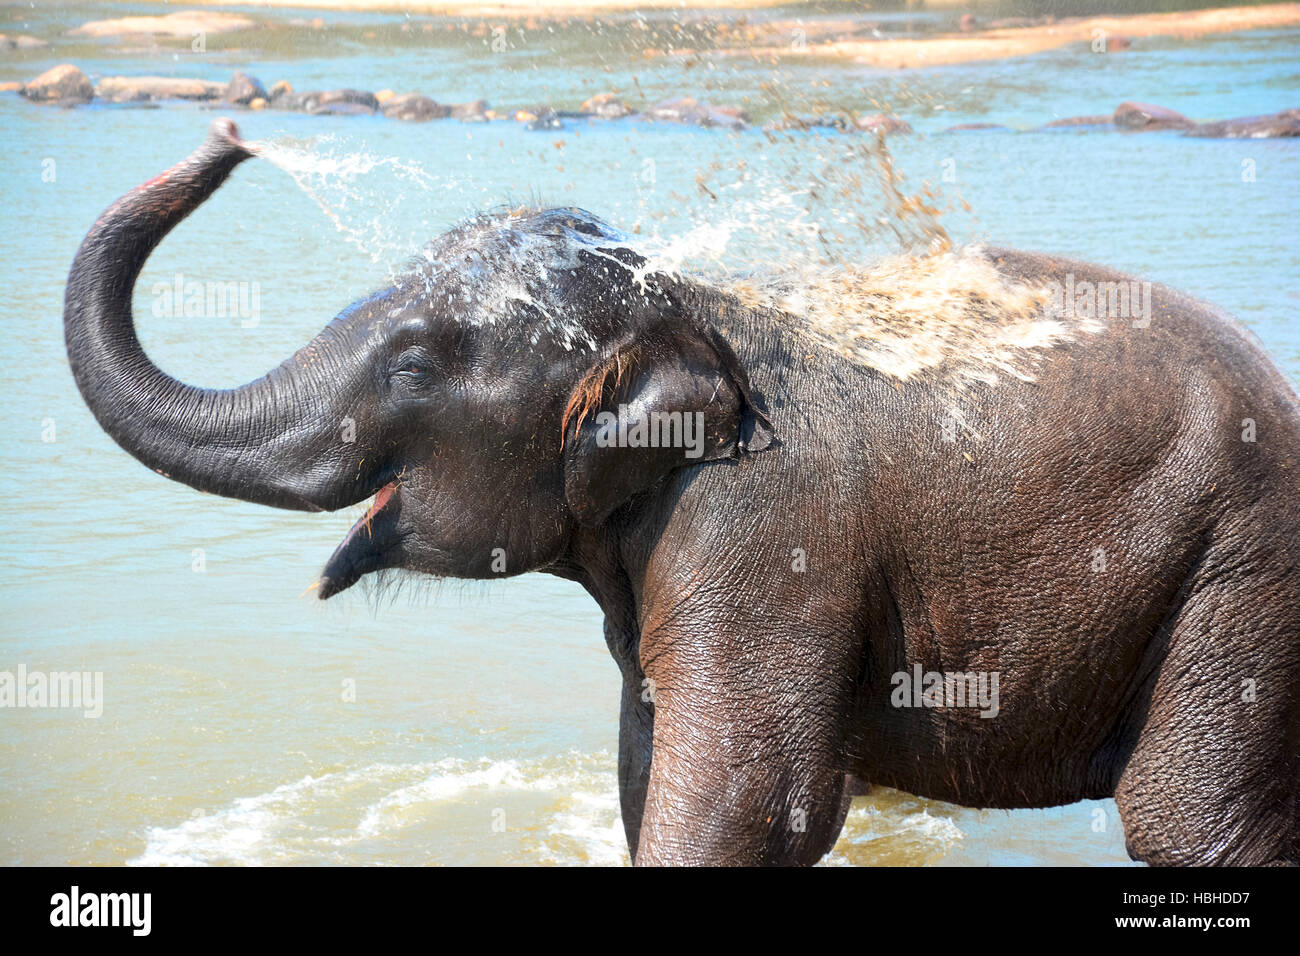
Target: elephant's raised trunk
274	441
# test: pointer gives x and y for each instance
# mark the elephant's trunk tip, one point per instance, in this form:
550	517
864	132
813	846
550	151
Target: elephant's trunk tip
224	135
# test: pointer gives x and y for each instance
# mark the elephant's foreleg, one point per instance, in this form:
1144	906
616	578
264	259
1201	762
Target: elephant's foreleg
747	757
759	804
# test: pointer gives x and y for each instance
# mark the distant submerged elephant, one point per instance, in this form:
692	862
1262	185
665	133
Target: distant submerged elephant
989	544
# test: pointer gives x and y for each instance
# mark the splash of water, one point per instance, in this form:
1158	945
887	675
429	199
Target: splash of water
368	813
358	191
812	200
819	227
824	229
800	200
908	314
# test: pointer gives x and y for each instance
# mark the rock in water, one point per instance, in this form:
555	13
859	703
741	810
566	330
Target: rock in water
414	108
283	97
606	106
62	84
1071	121
243	89
881	123
344	101
543	119
474	112
1144	116
691	112
131	89
341	108
877	123
1274	126
335	102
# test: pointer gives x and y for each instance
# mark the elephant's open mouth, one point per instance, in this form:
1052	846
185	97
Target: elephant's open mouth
366	544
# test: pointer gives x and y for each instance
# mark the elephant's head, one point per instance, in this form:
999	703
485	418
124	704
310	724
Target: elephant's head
473	398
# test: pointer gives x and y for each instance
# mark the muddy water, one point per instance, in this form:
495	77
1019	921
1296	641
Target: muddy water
244	722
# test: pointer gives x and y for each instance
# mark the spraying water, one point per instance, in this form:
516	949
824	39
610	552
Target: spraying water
357	191
801	200
819	228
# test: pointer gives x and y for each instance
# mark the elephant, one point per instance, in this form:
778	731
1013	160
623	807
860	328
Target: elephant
995	549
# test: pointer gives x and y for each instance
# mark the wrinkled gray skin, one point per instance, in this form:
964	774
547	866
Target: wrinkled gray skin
756	696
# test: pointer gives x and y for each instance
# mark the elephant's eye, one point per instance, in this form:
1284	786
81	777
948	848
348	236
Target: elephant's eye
412	366
410	382
413	373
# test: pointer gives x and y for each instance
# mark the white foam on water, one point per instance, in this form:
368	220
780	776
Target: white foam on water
447	780
888	828
589	830
364	814
369	815
253	830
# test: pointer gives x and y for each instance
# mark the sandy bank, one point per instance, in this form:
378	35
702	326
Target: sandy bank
849	39
1022	41
542	9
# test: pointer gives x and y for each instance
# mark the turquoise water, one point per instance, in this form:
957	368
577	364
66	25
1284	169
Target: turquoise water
485	716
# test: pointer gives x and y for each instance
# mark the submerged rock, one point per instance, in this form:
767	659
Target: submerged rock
544	124
977	128
284	98
788	122
606	106
61	84
360	98
472	112
243	89
1273	126
129	89
541	119
333	102
413	108
883	123
1072	121
875	123
1145	116
689	111
341	108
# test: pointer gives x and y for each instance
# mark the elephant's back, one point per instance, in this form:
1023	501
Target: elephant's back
1152	326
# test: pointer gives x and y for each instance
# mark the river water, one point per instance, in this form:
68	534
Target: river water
243	721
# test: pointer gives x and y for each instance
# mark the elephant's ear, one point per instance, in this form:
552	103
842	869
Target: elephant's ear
671	399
